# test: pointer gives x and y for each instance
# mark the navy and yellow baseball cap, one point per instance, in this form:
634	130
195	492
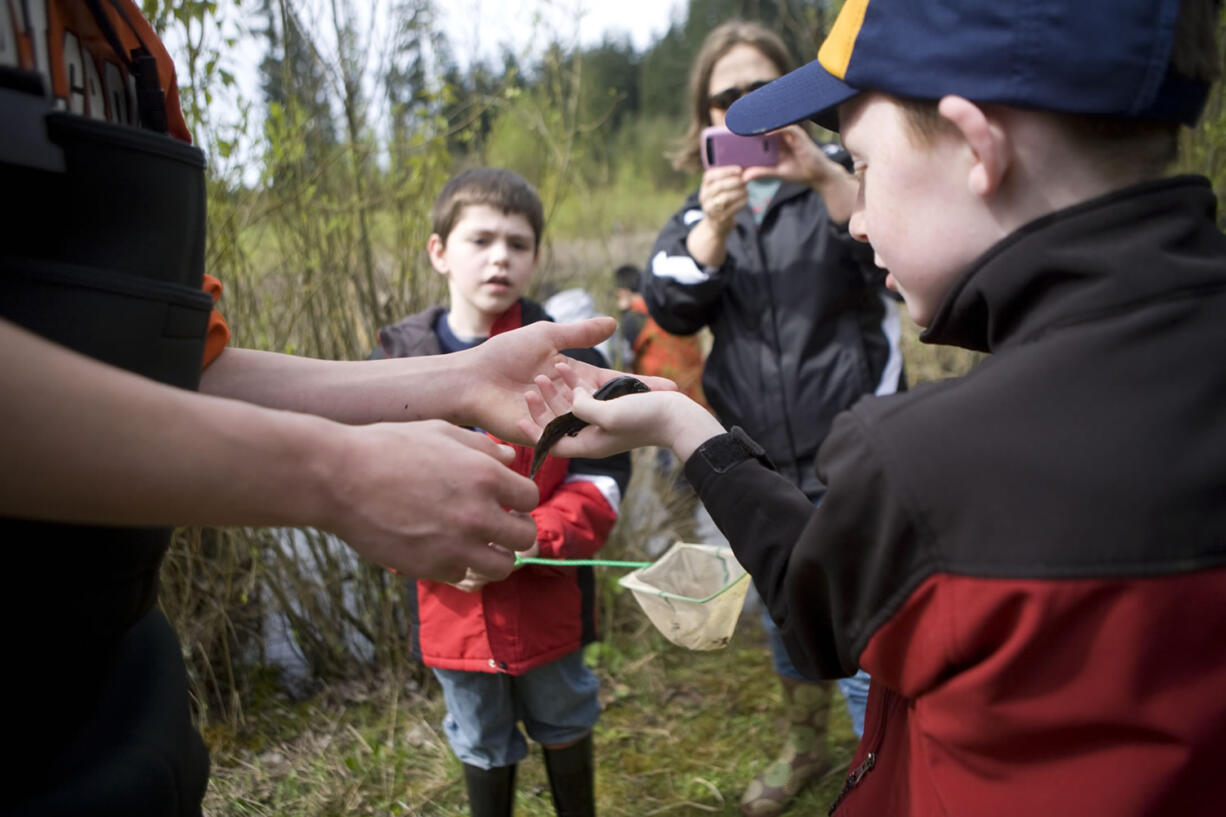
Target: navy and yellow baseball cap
1107	57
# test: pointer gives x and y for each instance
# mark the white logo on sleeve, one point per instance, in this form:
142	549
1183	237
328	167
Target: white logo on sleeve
680	268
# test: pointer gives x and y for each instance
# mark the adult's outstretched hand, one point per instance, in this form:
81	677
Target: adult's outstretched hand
86	443
428	498
504	367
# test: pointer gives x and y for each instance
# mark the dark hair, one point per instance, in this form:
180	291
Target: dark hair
719	42
627	277
1118	141
502	189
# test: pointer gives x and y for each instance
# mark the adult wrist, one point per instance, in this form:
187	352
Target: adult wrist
441	387
720	227
706	245
321	494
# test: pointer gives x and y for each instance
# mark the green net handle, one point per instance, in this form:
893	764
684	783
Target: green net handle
664	594
532	560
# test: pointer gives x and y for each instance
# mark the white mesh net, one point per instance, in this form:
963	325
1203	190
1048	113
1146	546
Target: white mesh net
693	594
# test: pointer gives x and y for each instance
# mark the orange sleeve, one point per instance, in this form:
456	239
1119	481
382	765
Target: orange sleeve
218	334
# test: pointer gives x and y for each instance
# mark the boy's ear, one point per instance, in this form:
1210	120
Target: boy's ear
435	248
987	140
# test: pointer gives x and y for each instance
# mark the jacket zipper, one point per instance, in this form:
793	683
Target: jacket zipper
853	779
877	708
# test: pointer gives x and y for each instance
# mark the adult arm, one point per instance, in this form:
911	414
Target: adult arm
85	442
481	387
722	194
682	294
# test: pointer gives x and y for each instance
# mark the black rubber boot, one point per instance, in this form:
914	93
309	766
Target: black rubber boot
491	792
572	779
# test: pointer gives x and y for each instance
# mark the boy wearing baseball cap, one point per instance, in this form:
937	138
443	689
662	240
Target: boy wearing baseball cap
1030	560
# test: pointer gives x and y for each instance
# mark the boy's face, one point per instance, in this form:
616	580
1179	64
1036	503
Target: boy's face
487	260
914	205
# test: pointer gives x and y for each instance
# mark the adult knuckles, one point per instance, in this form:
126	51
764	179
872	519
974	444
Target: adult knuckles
449	572
506	487
519	533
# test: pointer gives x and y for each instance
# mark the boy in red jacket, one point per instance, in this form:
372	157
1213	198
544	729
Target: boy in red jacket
1029	560
510	651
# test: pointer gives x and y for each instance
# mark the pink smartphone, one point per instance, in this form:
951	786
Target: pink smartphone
721	146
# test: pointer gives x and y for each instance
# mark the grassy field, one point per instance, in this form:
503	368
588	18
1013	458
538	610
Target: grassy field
681	733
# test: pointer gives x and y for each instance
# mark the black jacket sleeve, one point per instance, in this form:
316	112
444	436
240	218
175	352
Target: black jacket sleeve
682	296
763	515
829	576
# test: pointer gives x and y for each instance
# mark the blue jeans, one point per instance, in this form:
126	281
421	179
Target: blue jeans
557	703
854	689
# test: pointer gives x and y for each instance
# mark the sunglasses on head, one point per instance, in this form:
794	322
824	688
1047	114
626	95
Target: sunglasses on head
724	99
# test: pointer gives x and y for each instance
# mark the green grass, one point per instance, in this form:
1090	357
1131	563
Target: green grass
682	733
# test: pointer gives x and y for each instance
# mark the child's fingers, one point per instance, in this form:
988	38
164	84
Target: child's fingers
556	396
539	413
530	429
569	375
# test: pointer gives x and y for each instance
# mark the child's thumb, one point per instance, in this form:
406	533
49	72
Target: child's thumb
585	406
580	396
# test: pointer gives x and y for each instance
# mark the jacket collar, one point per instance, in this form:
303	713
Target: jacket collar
1110	252
414	335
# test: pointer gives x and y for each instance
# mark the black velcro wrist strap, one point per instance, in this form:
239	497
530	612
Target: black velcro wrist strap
724	451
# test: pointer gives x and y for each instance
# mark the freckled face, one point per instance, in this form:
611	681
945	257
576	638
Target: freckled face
487	260
914	206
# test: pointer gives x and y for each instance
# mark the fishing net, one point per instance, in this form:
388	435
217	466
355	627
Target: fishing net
692	594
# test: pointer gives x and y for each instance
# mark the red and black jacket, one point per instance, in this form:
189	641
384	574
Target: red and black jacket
539	613
1030	560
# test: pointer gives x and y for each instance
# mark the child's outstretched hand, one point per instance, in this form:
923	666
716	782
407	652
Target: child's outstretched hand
662	418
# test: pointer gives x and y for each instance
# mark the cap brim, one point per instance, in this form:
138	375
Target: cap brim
809	92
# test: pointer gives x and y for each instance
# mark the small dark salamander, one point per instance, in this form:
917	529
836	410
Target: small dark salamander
568	425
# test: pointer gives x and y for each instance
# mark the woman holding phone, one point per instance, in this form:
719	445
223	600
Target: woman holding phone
801	322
